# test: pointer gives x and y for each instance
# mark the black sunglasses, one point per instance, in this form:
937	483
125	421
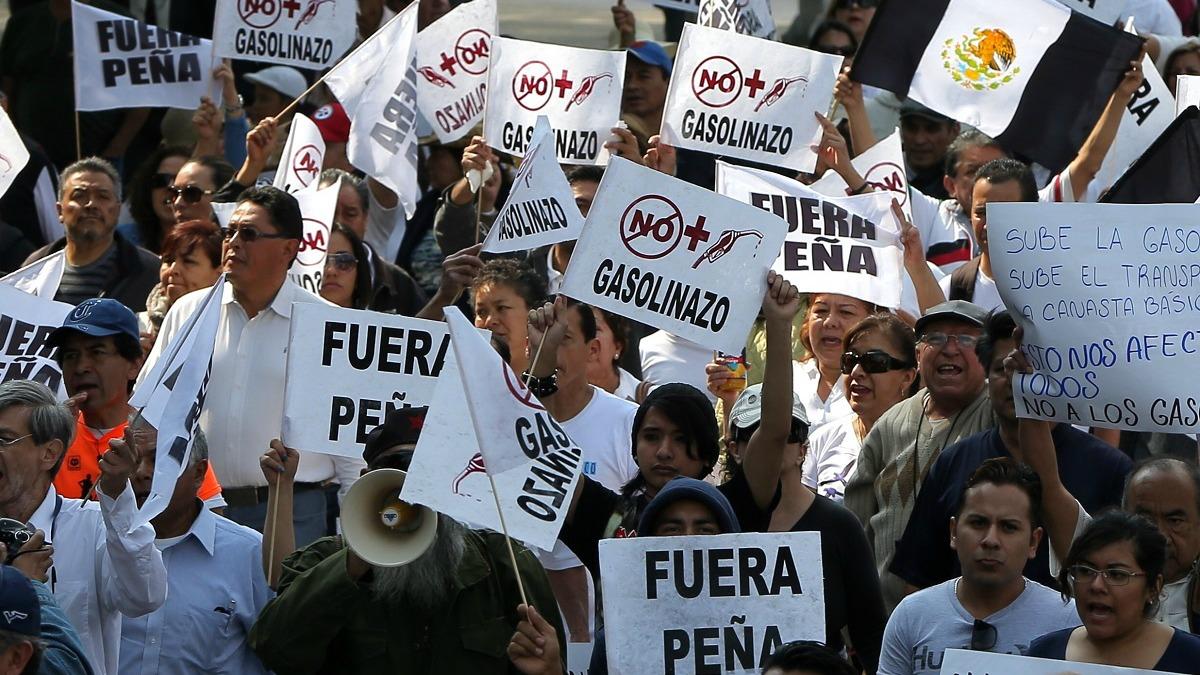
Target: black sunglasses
161	180
865	4
838	50
192	194
873	361
983	636
342	262
248	234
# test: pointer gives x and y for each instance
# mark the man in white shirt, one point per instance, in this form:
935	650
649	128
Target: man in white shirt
215	580
244	408
105	564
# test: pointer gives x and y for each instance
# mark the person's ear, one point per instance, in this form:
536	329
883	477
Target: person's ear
51	453
948	183
292	249
1035	539
199	471
906	382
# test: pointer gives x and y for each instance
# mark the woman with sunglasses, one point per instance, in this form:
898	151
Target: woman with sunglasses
1114	571
347	278
880	366
857	14
148	200
191	194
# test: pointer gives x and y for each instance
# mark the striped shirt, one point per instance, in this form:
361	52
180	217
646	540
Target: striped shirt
87	281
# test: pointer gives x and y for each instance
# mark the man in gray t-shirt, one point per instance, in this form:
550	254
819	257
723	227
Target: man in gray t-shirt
992	606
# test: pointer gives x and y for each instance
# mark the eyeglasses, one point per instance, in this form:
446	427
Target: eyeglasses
873	361
249	234
939	340
161	180
343	262
6	444
1113	576
865	4
192	194
836	50
983	636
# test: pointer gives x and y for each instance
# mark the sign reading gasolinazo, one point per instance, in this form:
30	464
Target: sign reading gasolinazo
303	33
745	97
675	256
452	62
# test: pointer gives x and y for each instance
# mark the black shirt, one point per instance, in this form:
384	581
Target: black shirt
1181	656
1091	470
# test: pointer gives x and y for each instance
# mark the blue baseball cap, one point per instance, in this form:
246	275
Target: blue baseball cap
20	611
650	53
97	317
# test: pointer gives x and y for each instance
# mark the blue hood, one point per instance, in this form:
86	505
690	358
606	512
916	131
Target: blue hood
681	488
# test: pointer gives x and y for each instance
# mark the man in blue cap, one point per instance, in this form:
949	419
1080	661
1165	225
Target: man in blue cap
646	77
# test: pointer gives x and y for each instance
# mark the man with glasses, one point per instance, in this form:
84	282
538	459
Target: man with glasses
244	408
992	606
191	194
1092	470
906	440
99	261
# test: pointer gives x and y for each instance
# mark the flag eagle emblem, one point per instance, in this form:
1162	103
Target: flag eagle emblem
982	59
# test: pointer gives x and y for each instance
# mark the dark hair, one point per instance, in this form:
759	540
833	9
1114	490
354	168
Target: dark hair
831	26
1007	471
587	320
690	410
90	165
282	207
1004	169
222	171
588	174
141	208
897	332
999	325
515	274
966	139
330	176
619	327
804	337
363	290
1112	527
808	656
1177	465
192	235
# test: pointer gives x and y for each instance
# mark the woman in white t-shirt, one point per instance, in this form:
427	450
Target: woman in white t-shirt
880	363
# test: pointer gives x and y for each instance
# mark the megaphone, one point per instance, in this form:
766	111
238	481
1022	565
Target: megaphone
382	529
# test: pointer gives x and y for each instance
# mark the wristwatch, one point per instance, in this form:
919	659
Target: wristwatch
541	386
234	108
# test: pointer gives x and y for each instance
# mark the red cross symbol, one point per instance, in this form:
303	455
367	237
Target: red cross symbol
448	63
563	85
292	6
754	83
696	233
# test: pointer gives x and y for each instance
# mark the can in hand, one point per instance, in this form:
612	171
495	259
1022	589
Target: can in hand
737	364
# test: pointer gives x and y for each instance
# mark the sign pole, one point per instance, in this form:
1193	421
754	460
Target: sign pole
512	556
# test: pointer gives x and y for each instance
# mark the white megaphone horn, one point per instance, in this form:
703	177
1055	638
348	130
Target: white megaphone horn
382	529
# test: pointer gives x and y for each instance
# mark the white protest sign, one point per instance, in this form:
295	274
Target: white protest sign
13	153
448	474
302	158
1104	11
748	17
124	63
579	657
848	245
540	208
1187	92
881	165
709	604
1107	296
746	97
310	34
317	208
452	64
675	256
349	368
969	662
578	89
40	278
26	322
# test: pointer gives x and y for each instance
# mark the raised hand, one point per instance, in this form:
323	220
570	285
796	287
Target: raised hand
279	463
781	301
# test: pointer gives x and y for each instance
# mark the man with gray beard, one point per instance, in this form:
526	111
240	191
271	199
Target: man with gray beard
452	610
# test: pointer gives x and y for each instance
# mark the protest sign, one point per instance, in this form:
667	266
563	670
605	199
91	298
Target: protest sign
302	158
579	657
1187	92
26	322
13	153
970	662
448	474
748	17
675	256
1107	296
349	368
579	90
749	98
452	64
540	209
709	604
40	278
881	165
848	245
310	34
1104	11
125	63
317	208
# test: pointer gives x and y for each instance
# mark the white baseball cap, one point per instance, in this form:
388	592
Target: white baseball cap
283	79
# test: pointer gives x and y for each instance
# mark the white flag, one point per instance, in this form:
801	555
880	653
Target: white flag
748	17
26	322
303	155
452	63
125	63
40	278
350	77
881	165
317	208
13	153
172	397
1187	92
309	34
540	209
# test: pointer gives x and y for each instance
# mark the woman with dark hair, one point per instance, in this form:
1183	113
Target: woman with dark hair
1182	61
504	292
347	278
148	201
834	37
605	371
1114	571
191	260
804	657
879	362
192	192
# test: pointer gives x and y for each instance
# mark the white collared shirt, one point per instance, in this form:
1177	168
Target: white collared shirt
244	407
806	378
104	566
217	589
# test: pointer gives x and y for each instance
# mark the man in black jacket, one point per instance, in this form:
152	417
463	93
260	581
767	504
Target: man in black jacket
99	262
